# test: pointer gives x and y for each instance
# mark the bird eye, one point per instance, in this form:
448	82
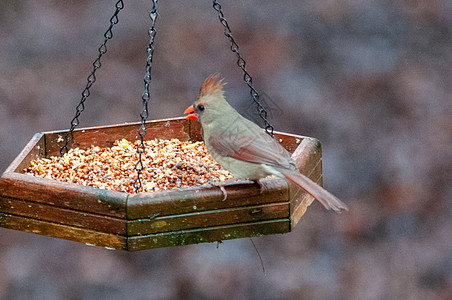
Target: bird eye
201	107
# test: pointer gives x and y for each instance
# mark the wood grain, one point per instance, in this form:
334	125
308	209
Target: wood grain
63	194
307	157
61	231
55	214
172	202
34	149
106	135
208	218
211	234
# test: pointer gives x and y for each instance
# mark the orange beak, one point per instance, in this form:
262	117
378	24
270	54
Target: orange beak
192	114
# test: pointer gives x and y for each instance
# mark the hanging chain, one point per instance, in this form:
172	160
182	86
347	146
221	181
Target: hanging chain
92	78
242	64
145	97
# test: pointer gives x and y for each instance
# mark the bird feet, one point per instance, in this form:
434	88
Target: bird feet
221	185
260	184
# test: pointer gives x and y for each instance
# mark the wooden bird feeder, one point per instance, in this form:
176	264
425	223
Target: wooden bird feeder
153	219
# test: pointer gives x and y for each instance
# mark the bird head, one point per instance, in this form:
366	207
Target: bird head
210	100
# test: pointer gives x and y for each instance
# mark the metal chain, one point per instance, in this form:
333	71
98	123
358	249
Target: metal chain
92	78
145	97
242	64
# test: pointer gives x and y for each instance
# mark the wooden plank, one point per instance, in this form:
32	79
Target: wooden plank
289	141
308	158
307	155
35	148
301	201
208	218
243	193
106	135
76	234
63	194
195	131
295	192
211	234
51	213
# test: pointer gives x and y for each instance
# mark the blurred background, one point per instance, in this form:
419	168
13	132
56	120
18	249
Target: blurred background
372	79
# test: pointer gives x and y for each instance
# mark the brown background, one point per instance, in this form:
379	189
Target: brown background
371	79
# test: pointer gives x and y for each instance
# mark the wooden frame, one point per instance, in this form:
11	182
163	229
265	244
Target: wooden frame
150	220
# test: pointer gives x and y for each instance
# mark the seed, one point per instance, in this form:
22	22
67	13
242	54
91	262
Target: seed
168	164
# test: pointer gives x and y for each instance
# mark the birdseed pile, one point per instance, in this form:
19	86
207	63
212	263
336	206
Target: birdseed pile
168	164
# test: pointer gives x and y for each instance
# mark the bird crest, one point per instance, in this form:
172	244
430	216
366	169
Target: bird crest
211	85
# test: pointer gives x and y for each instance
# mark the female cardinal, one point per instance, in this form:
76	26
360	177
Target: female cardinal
245	149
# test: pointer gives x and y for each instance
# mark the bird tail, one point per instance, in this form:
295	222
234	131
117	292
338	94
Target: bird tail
328	200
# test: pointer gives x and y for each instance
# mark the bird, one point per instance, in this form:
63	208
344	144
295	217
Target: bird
245	149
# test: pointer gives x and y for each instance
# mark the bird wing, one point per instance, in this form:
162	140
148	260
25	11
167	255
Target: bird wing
251	145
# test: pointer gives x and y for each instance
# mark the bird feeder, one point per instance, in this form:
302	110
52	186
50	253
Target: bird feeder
152	219
146	220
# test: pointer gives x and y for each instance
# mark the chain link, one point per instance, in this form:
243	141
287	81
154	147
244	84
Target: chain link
242	64
92	77
137	184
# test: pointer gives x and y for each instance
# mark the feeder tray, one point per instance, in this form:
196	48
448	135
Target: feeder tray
153	219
